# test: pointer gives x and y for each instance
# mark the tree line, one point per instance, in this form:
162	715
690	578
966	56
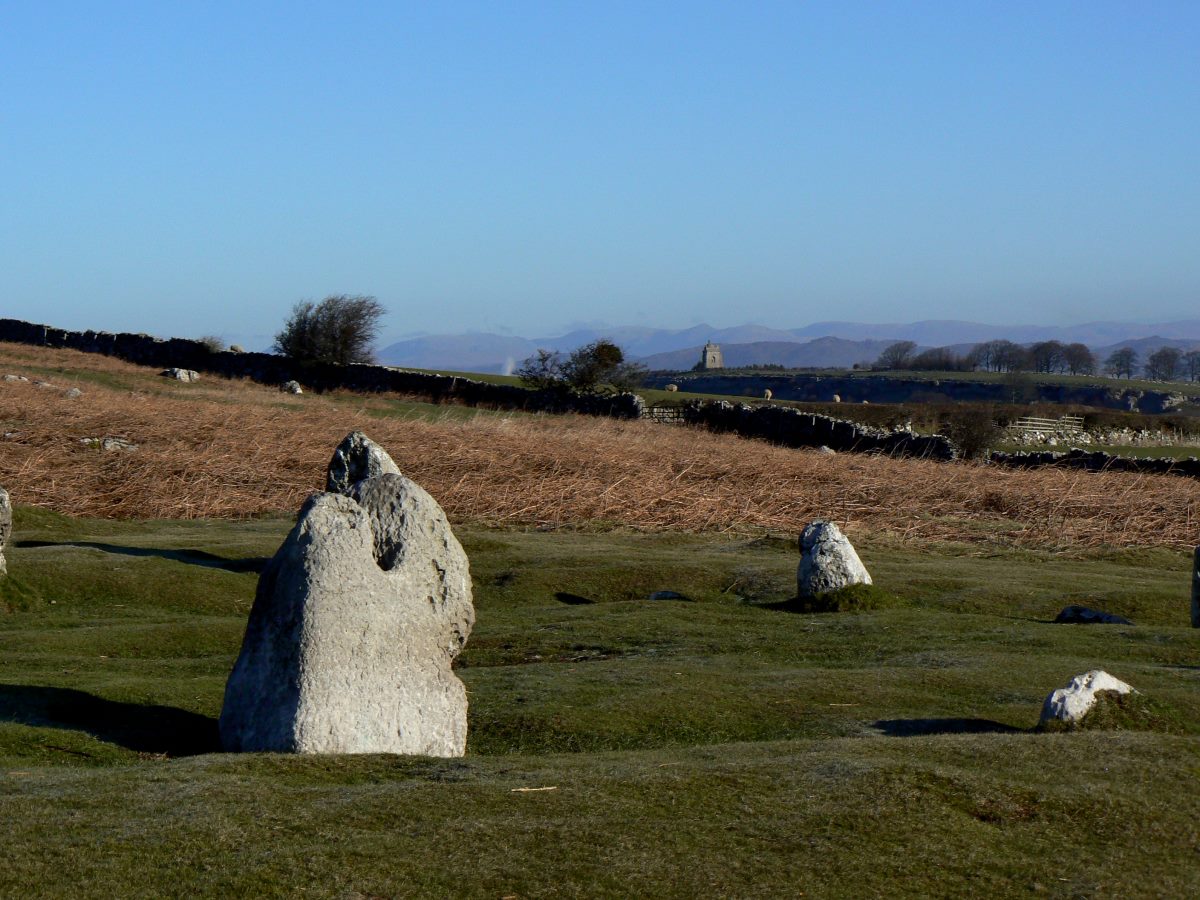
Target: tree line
1164	364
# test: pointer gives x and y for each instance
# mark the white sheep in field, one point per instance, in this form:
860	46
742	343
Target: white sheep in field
672	387
767	395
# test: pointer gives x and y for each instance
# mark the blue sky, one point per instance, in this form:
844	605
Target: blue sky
186	169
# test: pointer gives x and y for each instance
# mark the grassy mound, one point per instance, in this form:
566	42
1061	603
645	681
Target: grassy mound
1114	711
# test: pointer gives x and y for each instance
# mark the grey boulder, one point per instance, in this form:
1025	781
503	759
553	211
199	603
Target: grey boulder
828	561
188	375
357	457
356	622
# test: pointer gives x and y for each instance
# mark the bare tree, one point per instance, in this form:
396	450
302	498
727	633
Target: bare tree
937	359
542	371
340	329
1079	359
595	367
1191	365
1011	357
896	356
1047	356
1121	363
1163	364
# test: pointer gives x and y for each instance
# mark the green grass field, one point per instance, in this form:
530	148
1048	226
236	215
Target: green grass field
724	745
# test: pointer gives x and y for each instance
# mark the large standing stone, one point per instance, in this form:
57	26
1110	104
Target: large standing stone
1196	589
827	561
5	526
357	457
1071	703
356	622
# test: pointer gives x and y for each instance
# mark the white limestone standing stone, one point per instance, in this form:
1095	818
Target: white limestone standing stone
5	526
1071	703
827	561
355	625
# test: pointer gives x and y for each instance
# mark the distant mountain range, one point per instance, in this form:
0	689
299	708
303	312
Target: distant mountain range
820	345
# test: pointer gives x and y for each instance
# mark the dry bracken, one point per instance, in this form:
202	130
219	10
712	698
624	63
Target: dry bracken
233	449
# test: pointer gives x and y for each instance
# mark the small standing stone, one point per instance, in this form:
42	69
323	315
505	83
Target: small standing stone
827	561
291	387
5	526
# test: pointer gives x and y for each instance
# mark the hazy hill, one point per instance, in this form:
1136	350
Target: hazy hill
826	352
844	343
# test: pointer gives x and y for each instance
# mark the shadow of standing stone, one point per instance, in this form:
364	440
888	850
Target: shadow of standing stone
145	729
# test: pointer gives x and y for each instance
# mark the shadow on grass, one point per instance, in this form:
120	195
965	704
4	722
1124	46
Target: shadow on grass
572	599
191	557
145	729
791	605
923	727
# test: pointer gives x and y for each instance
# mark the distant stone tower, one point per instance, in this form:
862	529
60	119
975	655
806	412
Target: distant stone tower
711	357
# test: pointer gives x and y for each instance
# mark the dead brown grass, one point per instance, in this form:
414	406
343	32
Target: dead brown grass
233	449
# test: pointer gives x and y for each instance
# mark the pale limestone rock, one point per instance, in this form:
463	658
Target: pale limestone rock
1071	703
827	561
188	375
357	457
5	526
291	387
355	625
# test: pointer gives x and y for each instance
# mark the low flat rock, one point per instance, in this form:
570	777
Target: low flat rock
356	622
188	375
828	561
5	526
1082	615
1071	703
357	457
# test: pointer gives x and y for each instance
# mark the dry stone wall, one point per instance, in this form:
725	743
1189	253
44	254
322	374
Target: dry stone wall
267	368
791	427
1098	461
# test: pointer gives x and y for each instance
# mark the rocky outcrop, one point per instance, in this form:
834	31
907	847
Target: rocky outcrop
828	561
1068	705
5	527
357	457
188	375
291	387
356	622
